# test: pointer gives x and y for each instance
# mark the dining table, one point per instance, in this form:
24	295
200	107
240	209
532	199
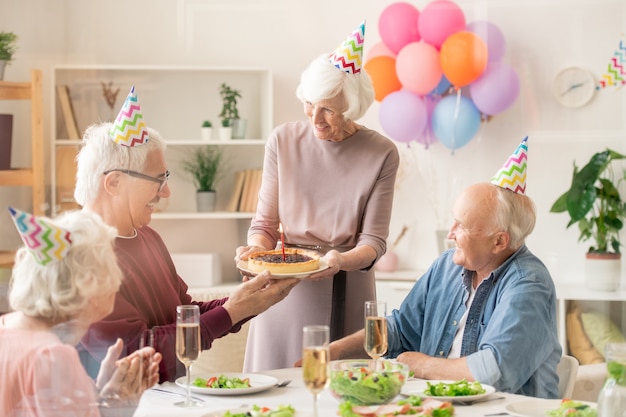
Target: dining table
160	400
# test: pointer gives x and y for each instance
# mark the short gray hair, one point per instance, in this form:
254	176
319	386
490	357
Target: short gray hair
99	154
321	80
516	214
62	288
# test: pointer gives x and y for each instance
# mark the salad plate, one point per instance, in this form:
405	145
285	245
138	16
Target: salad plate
417	387
536	407
258	383
243	267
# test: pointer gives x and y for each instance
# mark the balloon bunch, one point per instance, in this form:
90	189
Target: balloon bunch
423	58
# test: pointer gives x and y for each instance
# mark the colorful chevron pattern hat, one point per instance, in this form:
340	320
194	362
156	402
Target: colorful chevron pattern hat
129	128
512	175
45	241
348	56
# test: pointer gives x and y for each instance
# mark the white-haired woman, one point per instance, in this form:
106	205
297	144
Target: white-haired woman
329	182
54	301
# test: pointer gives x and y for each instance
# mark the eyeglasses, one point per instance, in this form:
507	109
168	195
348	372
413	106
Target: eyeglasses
162	180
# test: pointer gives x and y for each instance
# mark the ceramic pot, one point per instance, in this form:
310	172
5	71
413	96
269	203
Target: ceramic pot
3	64
205	201
603	271
388	262
226	133
206	133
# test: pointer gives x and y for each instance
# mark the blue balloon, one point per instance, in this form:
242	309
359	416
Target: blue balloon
455	121
442	87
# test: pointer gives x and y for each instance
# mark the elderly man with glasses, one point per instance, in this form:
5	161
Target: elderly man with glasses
123	183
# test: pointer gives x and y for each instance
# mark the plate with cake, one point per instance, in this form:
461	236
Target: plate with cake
296	263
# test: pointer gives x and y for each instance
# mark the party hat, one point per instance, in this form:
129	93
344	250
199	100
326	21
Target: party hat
349	55
129	128
46	241
512	175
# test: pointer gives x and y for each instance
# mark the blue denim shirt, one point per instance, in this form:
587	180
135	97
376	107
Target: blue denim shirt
510	337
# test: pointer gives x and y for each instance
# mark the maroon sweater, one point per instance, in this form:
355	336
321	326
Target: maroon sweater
148	297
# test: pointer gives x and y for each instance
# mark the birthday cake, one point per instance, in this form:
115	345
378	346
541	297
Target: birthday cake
294	261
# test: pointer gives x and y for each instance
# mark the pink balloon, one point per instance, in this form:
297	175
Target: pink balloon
403	116
418	67
438	20
379	49
397	25
492	36
496	89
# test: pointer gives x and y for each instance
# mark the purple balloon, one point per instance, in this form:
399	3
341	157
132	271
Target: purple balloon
403	116
496	89
492	36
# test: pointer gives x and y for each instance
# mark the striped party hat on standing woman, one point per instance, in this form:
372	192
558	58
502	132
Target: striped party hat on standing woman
512	175
129	128
46	241
348	57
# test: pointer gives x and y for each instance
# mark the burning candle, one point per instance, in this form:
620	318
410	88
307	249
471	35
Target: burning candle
282	240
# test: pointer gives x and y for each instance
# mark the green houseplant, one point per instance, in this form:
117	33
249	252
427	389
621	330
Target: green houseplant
8	46
593	201
205	165
230	111
206	130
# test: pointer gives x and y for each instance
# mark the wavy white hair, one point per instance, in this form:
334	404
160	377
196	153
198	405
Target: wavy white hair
321	80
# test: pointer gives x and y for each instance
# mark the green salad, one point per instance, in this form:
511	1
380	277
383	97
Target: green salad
256	411
362	386
222	381
461	388
571	408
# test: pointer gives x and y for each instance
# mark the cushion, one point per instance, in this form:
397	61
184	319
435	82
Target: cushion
580	346
601	330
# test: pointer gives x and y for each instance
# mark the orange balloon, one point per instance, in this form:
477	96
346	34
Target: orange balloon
463	58
382	71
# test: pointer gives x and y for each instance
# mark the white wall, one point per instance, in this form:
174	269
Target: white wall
542	37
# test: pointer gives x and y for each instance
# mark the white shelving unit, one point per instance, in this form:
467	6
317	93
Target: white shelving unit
174	101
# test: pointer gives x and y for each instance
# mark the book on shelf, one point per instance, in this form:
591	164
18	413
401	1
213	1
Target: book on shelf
68	112
245	191
235	197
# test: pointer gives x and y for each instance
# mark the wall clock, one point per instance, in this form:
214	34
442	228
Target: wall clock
573	87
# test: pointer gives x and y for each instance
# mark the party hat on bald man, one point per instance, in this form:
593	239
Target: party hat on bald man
348	56
512	175
46	241
129	128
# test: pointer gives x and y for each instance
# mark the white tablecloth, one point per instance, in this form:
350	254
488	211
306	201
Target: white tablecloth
156	404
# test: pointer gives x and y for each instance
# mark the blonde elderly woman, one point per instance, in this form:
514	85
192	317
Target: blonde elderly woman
64	279
329	182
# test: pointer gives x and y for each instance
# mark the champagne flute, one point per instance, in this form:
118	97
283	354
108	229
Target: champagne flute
315	360
375	342
188	344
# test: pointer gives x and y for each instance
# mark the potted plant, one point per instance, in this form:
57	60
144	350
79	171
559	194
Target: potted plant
205	165
8	45
595	204
230	112
206	130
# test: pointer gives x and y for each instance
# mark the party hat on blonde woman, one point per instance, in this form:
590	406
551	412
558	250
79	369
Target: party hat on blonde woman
512	175
348	56
46	241
129	128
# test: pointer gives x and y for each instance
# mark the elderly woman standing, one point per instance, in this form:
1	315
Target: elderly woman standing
64	279
329	182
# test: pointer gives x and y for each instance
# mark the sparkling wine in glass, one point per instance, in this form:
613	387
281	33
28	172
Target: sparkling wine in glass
375	342
188	344
315	360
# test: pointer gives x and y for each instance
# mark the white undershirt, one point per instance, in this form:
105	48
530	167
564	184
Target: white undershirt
455	351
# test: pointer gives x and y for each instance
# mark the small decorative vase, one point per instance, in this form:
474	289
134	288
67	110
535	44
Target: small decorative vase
205	201
206	133
3	64
226	133
603	271
388	262
239	128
